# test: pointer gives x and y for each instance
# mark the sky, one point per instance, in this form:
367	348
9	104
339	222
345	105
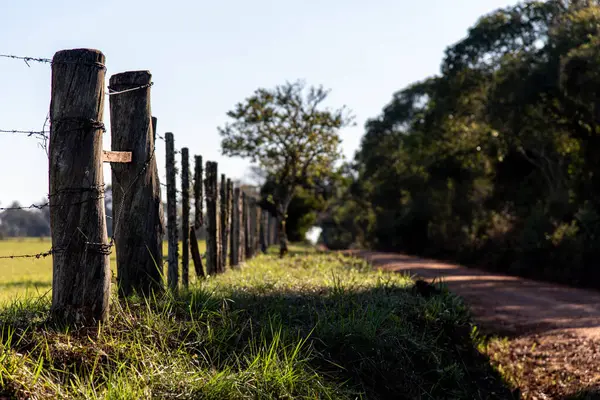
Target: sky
207	56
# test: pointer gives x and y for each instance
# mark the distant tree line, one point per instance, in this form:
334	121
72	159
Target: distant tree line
495	161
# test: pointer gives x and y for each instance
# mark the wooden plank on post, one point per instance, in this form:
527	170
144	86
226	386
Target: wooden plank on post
185	217
213	248
116	156
137	210
198	217
173	255
80	256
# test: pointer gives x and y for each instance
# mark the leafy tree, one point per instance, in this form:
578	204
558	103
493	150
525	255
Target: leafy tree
495	160
290	135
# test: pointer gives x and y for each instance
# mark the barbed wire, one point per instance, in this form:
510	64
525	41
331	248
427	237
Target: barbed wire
43	254
28	59
112	92
101	248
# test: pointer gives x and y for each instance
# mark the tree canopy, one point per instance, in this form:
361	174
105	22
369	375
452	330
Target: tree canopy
495	160
292	137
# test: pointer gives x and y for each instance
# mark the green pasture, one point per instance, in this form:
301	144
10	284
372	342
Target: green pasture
22	278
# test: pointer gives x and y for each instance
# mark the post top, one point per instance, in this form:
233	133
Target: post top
125	80
79	56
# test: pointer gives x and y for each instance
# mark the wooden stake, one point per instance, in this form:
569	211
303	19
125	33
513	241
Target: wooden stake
185	217
172	271
213	248
198	217
138	227
80	262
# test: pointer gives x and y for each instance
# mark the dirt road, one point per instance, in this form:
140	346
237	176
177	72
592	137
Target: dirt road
554	330
506	304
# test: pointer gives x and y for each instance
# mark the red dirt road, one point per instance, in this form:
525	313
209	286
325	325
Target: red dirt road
505	304
554	330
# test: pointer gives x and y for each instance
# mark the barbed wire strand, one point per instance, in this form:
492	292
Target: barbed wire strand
28	59
103	248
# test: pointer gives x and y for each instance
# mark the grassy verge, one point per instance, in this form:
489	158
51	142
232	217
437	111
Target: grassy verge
310	326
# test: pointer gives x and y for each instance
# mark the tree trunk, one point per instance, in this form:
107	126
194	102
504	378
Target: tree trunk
283	242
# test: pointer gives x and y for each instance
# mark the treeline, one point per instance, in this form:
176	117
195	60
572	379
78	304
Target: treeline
496	161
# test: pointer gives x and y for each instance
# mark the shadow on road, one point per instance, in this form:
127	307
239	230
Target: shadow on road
503	304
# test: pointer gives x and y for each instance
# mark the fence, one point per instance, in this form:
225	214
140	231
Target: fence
236	227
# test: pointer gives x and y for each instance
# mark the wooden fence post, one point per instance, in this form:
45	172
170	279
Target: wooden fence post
137	221
235	228
271	230
224	220
257	228
243	226
154	122
198	217
250	228
246	227
185	217
263	231
213	248
80	248
229	205
172	272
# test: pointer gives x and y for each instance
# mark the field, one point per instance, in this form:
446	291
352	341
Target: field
308	326
30	277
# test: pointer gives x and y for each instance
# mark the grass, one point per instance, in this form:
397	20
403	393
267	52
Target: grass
309	326
23	278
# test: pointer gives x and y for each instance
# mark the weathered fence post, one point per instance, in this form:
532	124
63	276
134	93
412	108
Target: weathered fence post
271	230
250	228
235	228
246	222
224	219
172	271
257	228
198	218
185	217
137	211
229	217
243	226
263	231
80	249
154	122
213	248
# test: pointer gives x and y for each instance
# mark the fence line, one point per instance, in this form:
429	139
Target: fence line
235	229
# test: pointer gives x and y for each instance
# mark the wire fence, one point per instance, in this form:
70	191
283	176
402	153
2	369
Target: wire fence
44	136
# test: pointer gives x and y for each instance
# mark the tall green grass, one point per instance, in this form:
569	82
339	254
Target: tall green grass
310	326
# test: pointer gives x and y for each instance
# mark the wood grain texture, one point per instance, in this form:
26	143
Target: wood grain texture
198	217
213	223
137	212
80	262
185	217
173	256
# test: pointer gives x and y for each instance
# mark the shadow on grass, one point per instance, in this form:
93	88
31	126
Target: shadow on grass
385	342
382	342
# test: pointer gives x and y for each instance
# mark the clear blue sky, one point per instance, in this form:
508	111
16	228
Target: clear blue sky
206	56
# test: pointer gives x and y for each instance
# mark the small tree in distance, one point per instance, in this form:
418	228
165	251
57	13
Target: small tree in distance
288	132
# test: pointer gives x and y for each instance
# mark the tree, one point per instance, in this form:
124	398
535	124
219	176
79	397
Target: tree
288	132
